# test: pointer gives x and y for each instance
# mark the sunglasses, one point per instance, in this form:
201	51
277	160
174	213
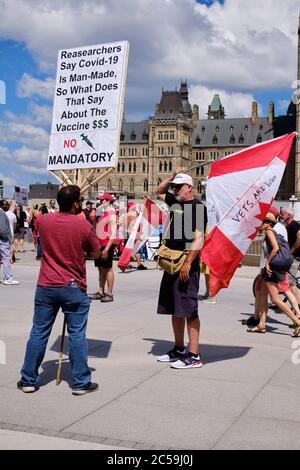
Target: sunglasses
177	186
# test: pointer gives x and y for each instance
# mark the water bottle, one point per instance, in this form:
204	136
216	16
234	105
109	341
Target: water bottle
72	283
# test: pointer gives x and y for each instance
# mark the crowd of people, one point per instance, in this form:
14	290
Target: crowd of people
100	233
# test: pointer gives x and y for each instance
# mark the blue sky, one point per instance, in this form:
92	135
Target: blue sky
218	46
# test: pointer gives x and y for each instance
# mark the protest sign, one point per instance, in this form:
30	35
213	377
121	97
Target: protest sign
21	196
88	106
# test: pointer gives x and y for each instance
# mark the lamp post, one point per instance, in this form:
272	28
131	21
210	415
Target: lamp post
292	200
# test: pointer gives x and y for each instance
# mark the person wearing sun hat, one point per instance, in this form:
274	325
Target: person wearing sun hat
272	278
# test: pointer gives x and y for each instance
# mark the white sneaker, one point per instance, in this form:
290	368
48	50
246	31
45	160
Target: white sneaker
172	355
11	282
210	300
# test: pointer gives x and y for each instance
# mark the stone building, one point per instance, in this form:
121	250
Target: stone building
174	136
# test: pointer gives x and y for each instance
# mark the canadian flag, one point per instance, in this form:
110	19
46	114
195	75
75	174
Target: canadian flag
147	221
240	189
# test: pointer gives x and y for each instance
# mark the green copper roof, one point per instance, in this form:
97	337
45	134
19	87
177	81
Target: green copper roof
216	103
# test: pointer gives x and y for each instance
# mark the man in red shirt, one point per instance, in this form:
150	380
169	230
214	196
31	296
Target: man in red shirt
66	242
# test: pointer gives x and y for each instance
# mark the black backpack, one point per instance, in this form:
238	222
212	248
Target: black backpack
283	260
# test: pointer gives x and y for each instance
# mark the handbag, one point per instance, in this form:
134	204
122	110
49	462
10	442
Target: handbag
283	259
170	260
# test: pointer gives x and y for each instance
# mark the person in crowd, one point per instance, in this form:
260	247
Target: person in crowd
42	211
13	223
21	229
67	241
129	221
272	278
6	238
106	230
88	211
178	296
293	232
32	218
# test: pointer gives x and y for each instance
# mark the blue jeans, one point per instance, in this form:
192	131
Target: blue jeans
75	306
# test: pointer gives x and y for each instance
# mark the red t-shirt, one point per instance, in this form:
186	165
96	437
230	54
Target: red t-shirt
66	240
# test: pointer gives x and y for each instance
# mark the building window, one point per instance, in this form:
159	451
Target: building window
241	139
134	167
165	167
132	135
160	135
172	135
170	167
215	140
119	167
160	167
232	139
197	140
122	137
246	127
123	167
199	187
231	128
145	135
146	186
129	167
203	129
202	171
261	127
131	186
217	129
166	135
259	138
109	185
144	167
120	185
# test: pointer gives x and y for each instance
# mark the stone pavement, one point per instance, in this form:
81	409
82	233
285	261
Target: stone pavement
246	396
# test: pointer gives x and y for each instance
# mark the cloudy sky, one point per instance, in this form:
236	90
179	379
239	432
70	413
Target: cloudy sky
244	50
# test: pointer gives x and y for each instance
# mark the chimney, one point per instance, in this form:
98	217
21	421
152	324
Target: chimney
195	115
254	113
271	113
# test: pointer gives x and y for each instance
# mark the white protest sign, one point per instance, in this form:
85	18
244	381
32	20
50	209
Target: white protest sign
21	196
88	106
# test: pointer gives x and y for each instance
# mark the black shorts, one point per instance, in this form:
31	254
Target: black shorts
276	277
108	262
180	298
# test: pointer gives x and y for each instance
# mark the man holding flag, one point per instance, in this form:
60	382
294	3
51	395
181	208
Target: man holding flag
178	295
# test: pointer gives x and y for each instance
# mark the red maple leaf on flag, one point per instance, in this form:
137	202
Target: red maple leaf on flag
260	216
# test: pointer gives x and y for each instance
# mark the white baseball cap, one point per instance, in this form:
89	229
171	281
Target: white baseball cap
182	178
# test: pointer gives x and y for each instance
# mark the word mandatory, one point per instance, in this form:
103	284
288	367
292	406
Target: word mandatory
84	158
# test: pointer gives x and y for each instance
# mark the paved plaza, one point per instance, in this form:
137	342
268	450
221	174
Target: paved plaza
246	396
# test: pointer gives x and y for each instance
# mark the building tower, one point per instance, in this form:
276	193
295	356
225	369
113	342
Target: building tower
297	102
215	109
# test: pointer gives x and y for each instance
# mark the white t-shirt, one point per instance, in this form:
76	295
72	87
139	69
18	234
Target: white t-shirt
12	220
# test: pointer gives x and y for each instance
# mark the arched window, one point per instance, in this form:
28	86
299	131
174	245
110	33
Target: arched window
109	184
146	186
241	139
144	167
215	140
119	167
232	139
120	185
132	135
123	167
145	136
134	167
246	127
203	129
197	140
165	167
259	138
160	167
129	167
261	127
131	186
170	167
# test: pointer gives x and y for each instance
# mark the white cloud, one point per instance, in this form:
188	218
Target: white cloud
37	115
283	106
29	86
235	104
35	137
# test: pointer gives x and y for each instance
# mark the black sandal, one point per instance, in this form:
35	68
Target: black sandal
107	298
